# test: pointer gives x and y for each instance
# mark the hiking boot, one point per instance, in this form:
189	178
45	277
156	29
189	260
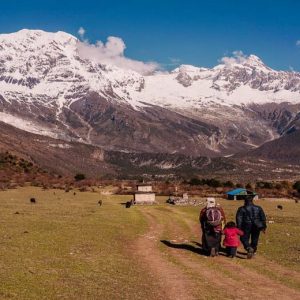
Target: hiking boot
213	252
250	252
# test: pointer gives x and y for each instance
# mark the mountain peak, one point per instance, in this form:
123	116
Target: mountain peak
240	60
34	34
187	69
254	61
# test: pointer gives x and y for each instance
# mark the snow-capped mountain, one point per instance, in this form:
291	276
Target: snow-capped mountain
48	88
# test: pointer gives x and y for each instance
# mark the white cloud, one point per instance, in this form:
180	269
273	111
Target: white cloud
238	57
174	61
112	52
81	32
291	69
298	43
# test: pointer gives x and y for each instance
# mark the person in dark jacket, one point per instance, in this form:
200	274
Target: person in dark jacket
251	219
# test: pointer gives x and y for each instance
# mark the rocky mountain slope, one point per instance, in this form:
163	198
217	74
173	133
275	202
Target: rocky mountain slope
284	149
48	88
69	158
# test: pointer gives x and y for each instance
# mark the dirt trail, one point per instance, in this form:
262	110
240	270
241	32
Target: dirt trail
173	283
221	275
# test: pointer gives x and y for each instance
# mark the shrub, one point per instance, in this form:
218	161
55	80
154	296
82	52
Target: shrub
195	181
249	186
229	184
213	183
296	186
264	185
79	177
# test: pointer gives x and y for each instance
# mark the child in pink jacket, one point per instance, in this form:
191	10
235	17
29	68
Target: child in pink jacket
232	238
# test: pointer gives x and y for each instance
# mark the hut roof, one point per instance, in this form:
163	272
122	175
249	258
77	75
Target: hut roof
240	191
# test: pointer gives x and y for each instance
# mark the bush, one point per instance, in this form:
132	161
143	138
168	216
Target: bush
264	185
213	183
296	186
229	184
79	177
195	181
249	186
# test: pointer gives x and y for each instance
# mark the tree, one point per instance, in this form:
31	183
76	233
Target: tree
195	181
214	183
296	186
229	184
79	177
249	186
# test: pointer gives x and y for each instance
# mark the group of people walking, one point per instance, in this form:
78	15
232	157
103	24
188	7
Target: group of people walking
250	222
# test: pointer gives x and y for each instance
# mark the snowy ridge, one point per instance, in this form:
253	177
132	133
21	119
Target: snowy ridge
41	63
44	82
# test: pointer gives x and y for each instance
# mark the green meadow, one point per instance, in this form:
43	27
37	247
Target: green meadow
66	246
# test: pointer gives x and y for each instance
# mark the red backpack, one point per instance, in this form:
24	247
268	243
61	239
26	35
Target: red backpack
213	216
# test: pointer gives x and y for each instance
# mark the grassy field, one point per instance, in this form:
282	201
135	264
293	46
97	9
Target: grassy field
68	247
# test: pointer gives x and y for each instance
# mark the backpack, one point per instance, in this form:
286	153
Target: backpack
213	216
257	223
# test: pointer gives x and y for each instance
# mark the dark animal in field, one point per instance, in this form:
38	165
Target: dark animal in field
100	202
32	200
74	193
296	200
17	213
128	204
280	207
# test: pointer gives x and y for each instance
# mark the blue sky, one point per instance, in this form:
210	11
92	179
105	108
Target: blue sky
187	32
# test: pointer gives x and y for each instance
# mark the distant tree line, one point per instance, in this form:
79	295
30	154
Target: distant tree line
215	183
211	182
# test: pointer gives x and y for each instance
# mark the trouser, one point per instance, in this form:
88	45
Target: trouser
250	237
231	251
211	239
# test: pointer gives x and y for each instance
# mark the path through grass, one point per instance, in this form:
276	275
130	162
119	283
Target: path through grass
68	247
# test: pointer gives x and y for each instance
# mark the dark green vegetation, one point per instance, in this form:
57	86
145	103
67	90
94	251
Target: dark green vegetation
79	177
14	163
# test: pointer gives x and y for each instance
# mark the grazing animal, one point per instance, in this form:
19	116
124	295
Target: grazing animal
128	204
17	213
32	200
100	202
296	200
74	193
280	207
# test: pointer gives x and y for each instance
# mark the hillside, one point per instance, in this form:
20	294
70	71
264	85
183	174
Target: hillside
16	171
284	149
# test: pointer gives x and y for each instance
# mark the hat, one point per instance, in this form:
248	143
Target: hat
210	202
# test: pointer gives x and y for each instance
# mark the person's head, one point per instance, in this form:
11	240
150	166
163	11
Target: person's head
210	202
230	224
249	200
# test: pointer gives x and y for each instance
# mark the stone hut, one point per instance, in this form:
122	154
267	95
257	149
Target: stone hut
144	195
